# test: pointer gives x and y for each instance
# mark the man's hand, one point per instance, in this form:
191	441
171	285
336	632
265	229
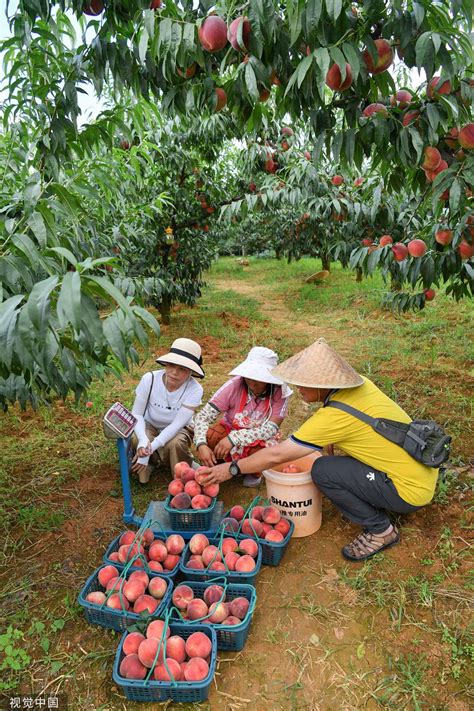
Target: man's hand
144	451
215	475
222	448
206	455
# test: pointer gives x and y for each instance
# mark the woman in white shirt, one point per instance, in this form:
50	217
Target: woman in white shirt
165	401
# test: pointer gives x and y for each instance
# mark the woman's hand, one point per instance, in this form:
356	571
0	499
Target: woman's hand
215	475
222	448
144	451
137	467
206	455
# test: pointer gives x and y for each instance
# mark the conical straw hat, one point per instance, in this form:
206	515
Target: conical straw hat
318	366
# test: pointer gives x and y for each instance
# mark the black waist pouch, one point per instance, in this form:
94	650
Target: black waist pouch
424	440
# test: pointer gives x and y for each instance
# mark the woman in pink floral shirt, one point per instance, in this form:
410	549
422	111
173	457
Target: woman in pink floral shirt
251	407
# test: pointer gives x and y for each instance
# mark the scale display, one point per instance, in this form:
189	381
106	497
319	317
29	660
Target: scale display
120	420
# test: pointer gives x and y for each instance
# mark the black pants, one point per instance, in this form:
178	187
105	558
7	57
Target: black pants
363	494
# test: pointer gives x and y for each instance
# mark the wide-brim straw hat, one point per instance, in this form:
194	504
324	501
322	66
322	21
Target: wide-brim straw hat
186	353
258	366
318	366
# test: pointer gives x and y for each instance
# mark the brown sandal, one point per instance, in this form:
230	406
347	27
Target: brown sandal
368	544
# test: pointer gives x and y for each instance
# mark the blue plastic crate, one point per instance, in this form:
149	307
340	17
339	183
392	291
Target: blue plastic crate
181	691
229	637
190	519
117	619
232	576
272	552
114	546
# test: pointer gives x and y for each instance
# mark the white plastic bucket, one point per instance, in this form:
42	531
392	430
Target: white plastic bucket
296	496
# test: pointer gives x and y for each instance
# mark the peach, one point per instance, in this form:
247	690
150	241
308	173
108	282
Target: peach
271	515
385	239
230	524
114	556
249	546
157	587
291	468
192	488
127	538
139	575
231	620
438	86
107	573
466	136
197	543
251	527
375	109
132	668
210	554
238	607
384	57
245	564
237	512
233	33
96	597
402	99
465	250
189	475
334	78
175	487
158	551
196	669
201	501
218	612
155	566
183	667
195	556
147	537
410	117
444	236
182	596
176	648
133	589
221	101
265	528
229	545
118	602
283	526
198	645
231	559
170	562
212	490
212	33
175	544
197	609
416	248
432	158
274	536
400	251
181	502
214	593
217	565
148	652
195	564
169	672
179	469
131	642
337	180
115	584
257	512
429	294
145	603
155	629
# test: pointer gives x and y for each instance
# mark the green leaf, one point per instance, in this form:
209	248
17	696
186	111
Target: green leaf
69	300
143	45
36	223
313	9
454	195
353	57
251	82
419	12
333	8
303	69
149	22
109	290
433	116
424	51
39	303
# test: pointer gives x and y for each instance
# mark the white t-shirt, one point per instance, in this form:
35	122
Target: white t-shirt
167	411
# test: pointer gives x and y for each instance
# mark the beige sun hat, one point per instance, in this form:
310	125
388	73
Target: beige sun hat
186	353
318	366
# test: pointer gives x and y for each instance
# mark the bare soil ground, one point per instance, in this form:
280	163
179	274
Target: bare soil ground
392	633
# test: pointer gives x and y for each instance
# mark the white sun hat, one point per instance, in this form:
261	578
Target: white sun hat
257	366
186	353
318	366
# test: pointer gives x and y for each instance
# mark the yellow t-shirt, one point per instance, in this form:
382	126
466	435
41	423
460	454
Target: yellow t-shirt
414	481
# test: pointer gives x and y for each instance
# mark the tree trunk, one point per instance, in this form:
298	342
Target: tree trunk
326	261
165	309
395	284
359	274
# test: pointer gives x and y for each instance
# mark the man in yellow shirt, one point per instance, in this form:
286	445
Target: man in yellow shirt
374	476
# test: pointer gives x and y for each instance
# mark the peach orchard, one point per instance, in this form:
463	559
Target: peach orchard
340	152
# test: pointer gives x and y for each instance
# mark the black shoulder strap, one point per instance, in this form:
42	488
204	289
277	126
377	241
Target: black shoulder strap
149	392
354	412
